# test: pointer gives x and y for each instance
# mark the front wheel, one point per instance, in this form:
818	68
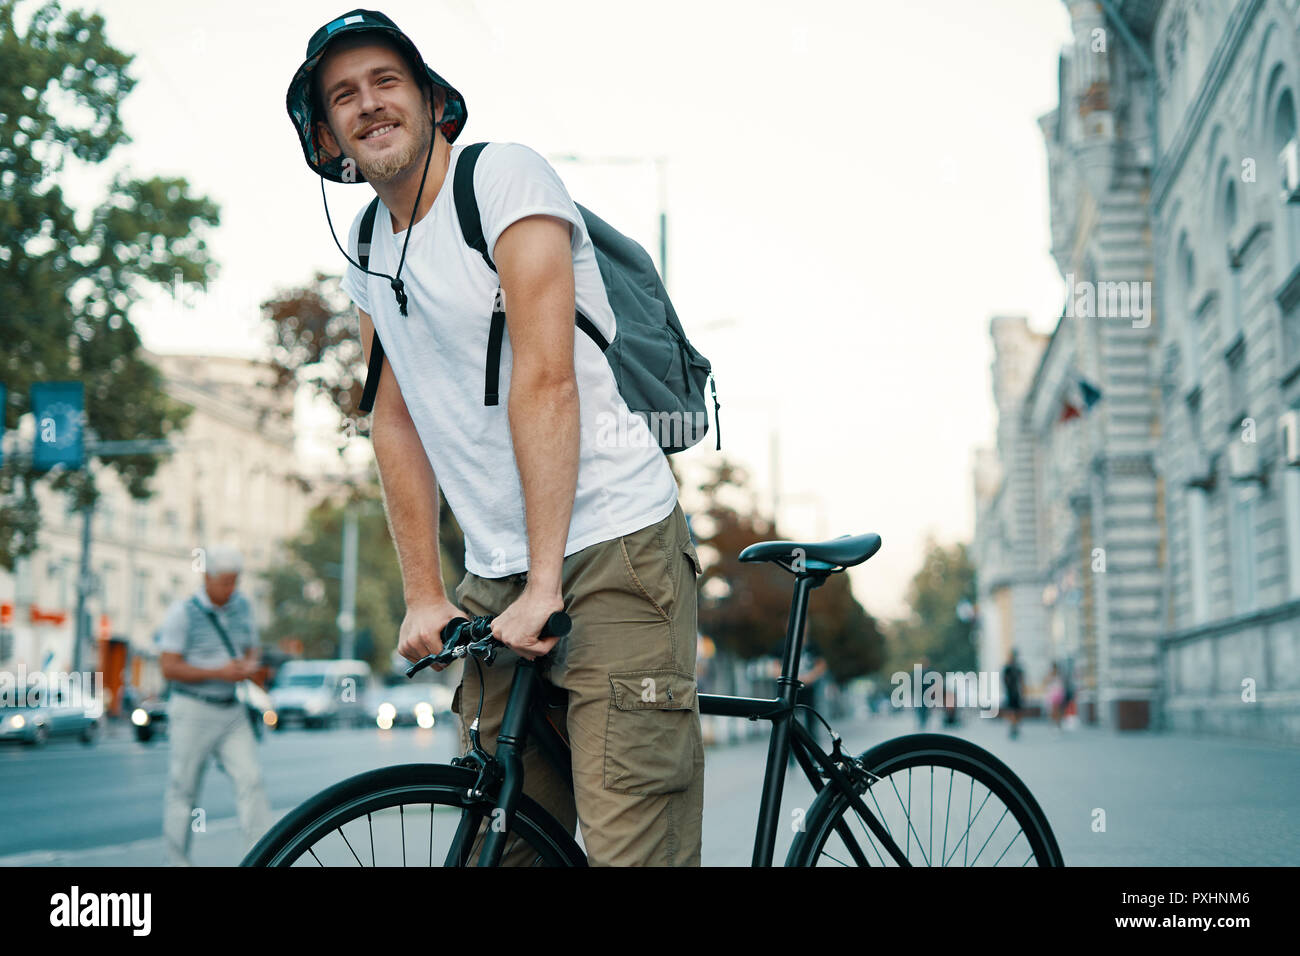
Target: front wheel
406	815
942	800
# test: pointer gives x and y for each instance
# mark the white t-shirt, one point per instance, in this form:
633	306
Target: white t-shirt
438	353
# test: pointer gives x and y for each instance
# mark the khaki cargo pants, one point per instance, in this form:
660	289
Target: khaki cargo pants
633	719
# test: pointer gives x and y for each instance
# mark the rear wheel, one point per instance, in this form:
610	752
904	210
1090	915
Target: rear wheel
404	816
942	800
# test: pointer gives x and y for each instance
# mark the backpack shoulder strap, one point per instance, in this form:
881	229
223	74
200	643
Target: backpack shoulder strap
471	225
471	228
221	631
364	236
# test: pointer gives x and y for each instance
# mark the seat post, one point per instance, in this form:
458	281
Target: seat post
778	748
788	682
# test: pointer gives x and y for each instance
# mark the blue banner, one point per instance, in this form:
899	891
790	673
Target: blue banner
59	411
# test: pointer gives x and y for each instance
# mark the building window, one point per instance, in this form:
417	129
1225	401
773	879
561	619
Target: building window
1237	398
1243	554
1197	555
1186	274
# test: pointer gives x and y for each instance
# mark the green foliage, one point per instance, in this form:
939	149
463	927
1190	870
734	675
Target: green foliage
67	282
744	608
933	630
305	588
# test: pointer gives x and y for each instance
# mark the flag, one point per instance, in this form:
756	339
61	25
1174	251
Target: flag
1091	393
1068	411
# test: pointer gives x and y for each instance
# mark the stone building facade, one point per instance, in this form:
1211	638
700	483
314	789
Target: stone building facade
1167	512
233	479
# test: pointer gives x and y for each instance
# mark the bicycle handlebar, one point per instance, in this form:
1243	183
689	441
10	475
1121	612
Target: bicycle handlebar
461	636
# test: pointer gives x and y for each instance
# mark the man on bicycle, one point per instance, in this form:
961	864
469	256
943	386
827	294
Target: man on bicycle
553	518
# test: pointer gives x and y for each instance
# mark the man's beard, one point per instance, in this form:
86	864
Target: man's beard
393	162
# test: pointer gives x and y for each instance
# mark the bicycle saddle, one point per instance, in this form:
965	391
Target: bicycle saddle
844	551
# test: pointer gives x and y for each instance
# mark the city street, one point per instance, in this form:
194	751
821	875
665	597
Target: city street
1167	799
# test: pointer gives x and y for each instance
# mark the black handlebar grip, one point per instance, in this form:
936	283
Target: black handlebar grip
449	629
557	625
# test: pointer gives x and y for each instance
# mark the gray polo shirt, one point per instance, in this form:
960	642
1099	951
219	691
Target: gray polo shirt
187	630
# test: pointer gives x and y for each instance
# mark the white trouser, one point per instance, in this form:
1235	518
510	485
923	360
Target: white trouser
200	730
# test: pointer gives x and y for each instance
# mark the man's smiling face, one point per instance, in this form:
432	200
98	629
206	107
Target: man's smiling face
375	110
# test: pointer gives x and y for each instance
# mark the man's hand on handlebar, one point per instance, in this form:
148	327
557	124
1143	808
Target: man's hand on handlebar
520	625
421	632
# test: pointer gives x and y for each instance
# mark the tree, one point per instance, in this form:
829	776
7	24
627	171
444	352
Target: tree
306	587
934	629
66	288
744	608
315	339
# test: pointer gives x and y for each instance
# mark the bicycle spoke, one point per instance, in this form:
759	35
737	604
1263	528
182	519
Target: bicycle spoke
968	819
370	823
1014	838
947	815
910	829
969	823
867	831
315	857
990	836
340	832
401	816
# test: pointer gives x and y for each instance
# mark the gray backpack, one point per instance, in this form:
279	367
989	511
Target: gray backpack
660	375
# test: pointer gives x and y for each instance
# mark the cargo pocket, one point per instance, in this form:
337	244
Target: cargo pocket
691	553
652	737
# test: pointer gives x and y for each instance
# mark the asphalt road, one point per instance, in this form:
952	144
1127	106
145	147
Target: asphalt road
1136	799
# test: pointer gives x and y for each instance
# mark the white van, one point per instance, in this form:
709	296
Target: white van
321	693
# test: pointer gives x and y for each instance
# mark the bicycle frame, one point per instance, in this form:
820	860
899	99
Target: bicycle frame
524	716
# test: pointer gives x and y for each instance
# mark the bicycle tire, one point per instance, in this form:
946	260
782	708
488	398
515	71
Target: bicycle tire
405	784
831	807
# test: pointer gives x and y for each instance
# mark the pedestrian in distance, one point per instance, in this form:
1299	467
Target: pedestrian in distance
208	644
1013	684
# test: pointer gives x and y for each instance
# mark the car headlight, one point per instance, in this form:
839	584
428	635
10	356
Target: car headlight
139	717
269	718
17	721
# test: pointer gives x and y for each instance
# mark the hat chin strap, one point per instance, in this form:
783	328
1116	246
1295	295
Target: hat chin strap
395	283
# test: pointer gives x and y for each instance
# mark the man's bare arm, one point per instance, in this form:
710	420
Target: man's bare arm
411	503
175	668
535	262
410	488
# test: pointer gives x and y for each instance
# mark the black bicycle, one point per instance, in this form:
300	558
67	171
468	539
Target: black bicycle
878	808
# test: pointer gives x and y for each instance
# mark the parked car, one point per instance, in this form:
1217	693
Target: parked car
321	693
416	704
52	714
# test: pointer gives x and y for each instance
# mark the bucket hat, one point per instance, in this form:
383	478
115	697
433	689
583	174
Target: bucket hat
298	100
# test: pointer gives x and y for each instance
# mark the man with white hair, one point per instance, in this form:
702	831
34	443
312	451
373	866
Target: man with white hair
208	645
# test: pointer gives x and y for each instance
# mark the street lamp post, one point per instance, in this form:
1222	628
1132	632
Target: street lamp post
661	175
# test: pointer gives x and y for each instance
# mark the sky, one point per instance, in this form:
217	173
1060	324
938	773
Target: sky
853	189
